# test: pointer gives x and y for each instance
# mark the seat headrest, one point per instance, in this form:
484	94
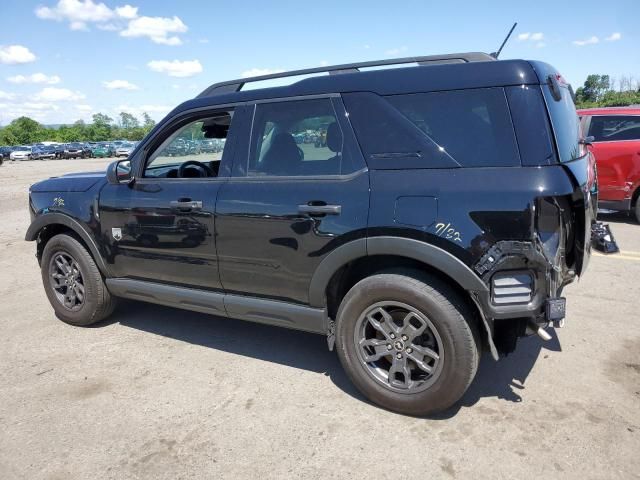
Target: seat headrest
334	137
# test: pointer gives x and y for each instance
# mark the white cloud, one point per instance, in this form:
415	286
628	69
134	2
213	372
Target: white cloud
14	54
157	29
589	41
6	95
203	40
614	37
76	12
127	12
257	72
53	94
83	107
176	68
156	112
79	26
366	46
39	106
120	85
35	78
536	37
396	51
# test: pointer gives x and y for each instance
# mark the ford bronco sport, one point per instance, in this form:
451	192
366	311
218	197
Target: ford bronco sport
448	207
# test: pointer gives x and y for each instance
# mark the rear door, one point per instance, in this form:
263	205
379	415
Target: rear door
299	189
616	147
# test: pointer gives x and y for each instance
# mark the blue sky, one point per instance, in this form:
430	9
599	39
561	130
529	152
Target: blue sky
63	60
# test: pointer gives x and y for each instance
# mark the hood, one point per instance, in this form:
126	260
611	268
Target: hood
73	182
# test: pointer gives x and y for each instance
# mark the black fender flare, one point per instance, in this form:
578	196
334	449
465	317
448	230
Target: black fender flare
423	252
57	218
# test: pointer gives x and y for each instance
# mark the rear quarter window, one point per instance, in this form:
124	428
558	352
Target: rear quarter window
458	128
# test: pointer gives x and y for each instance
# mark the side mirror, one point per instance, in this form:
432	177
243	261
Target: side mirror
119	172
587	140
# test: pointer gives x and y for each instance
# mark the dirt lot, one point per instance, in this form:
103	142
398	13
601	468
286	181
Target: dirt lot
160	393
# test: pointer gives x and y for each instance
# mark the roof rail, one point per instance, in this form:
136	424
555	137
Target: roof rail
236	85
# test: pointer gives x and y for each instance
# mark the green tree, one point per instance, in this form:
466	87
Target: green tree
594	87
23	130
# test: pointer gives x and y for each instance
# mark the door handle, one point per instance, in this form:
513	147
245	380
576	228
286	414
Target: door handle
315	209
186	205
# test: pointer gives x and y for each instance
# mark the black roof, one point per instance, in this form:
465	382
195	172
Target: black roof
479	73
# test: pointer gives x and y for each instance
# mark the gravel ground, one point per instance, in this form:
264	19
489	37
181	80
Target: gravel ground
160	393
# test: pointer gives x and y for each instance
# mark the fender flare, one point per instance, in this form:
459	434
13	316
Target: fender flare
426	253
56	218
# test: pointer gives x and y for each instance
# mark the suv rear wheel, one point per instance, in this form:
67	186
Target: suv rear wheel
73	282
407	341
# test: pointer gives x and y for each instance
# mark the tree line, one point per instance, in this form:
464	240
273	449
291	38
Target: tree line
604	91
26	131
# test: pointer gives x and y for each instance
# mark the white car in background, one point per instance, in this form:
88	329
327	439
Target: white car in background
21	153
124	150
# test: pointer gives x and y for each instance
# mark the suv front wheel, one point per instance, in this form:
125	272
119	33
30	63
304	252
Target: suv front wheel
408	341
73	282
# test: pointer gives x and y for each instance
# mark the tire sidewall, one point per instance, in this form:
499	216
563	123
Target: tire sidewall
64	243
457	366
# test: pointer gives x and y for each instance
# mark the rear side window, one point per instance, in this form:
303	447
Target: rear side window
458	128
473	126
613	128
565	123
296	138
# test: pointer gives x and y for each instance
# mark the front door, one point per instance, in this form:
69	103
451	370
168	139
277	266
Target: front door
299	190
161	228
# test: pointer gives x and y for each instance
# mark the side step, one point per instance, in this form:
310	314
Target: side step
259	310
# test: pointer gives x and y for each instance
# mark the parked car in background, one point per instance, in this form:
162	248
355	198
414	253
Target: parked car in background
102	150
5	152
43	152
124	150
615	142
73	150
21	153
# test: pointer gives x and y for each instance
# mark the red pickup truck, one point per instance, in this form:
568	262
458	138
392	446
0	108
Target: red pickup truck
616	146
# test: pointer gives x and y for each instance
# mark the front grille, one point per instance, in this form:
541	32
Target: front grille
509	288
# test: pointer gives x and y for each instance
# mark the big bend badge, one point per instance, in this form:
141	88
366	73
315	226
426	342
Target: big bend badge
116	233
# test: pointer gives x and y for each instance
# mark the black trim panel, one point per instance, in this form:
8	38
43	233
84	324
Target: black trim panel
404	247
259	310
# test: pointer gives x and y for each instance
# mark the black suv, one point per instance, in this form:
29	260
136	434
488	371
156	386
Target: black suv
444	212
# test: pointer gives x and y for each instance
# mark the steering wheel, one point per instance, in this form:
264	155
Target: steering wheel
194	163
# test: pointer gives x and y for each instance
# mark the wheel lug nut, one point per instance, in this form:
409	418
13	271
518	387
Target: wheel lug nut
405	338
409	349
399	356
389	347
393	336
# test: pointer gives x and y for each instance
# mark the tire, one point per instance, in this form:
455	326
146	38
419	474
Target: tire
636	210
97	303
449	331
